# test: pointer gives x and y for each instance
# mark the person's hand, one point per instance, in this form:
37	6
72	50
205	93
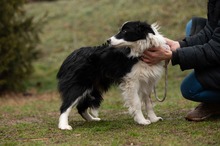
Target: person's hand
173	44
154	55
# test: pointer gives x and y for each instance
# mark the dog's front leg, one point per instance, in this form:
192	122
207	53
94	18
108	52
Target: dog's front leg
133	102
149	107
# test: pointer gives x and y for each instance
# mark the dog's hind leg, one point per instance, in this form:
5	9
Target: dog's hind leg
92	99
63	120
96	102
70	97
85	114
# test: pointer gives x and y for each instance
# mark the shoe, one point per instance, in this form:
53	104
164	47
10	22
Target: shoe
203	111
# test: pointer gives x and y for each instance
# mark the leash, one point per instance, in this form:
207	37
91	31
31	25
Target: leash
166	84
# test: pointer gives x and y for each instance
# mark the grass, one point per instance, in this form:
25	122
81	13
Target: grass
32	120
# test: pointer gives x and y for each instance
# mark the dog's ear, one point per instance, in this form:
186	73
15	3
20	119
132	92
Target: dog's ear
146	28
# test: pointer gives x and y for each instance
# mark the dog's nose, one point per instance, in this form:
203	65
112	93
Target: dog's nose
109	41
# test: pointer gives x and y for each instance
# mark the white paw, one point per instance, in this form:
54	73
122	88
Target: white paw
96	119
94	112
156	119
93	119
143	122
65	127
88	117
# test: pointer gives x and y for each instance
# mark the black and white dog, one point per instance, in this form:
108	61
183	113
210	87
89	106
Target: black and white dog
89	72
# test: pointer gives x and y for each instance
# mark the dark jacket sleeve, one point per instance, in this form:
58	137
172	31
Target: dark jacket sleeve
200	38
199	56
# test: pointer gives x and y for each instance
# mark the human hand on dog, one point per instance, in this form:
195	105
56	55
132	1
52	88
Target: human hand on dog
156	54
173	44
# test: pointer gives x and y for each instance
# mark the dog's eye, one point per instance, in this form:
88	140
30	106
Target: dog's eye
124	31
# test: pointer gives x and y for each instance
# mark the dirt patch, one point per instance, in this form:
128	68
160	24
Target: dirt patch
25	120
21	98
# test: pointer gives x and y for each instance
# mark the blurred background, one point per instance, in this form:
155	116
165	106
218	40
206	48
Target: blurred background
37	35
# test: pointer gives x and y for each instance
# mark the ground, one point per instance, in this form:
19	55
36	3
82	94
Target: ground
33	120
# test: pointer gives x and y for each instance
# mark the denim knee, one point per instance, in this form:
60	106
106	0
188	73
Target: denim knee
190	87
186	91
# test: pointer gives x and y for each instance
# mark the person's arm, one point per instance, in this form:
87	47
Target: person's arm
200	38
199	56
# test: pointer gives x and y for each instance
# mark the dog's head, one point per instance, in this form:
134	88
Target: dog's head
138	36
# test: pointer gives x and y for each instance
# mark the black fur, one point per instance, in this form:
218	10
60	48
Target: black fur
93	68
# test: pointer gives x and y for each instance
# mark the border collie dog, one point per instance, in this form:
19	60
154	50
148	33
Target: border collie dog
89	72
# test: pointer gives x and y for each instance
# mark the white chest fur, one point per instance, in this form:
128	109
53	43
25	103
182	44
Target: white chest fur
143	74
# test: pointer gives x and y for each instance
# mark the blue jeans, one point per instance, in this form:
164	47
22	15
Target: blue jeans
188	27
191	88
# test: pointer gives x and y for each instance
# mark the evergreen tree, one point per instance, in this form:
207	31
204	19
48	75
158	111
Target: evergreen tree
18	38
